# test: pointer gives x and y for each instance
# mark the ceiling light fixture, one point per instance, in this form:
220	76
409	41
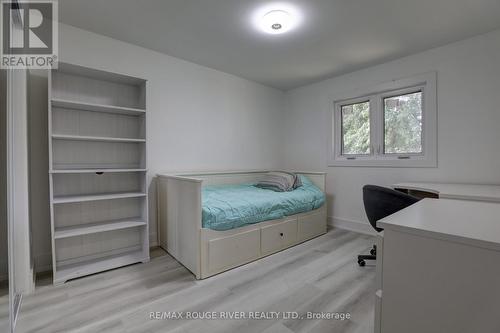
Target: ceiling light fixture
276	18
276	21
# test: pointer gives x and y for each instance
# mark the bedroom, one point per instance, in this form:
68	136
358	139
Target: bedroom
162	99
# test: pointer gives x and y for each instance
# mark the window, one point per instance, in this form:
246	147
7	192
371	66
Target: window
392	125
356	128
403	124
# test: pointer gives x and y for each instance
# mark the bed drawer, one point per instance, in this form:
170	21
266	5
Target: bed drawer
232	251
278	236
311	225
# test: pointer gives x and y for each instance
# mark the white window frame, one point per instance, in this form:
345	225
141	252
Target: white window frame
339	124
426	83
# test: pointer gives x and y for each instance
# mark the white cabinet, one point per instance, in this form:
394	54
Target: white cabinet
233	250
278	236
98	175
378	281
439	269
311	225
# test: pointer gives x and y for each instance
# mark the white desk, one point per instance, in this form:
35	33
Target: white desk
440	268
453	191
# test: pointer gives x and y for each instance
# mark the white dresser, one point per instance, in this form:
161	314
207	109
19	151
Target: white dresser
438	268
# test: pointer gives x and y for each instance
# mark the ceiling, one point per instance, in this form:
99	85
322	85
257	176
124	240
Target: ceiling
335	36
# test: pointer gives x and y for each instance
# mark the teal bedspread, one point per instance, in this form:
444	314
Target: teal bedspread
227	207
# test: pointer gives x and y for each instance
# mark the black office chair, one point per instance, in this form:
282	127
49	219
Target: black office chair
379	203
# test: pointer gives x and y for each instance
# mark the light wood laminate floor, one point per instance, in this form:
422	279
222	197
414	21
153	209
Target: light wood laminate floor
317	276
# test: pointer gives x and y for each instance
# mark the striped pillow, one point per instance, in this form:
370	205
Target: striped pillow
279	181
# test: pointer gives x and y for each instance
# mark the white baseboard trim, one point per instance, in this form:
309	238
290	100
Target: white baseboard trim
351	225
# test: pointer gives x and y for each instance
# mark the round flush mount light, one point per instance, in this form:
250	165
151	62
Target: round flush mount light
276	18
276	22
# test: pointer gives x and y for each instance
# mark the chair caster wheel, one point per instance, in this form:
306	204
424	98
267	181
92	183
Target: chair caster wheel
361	262
373	252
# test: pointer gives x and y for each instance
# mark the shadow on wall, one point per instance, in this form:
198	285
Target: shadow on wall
39	169
329	205
153	212
3	186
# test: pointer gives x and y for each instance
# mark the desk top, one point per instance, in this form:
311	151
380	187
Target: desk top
456	191
469	222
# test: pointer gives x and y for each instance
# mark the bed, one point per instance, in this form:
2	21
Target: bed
214	221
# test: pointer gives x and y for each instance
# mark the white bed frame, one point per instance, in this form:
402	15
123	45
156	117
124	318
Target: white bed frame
207	252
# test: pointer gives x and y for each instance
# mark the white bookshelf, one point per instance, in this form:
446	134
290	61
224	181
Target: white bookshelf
82	198
93	228
97	171
92	266
94	138
73	105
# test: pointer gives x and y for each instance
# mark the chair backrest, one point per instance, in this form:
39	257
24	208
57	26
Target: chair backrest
382	201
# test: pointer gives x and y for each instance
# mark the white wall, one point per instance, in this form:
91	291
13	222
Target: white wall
198	118
468	123
203	119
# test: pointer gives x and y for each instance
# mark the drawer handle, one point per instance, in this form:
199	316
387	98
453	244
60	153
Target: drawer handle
281	234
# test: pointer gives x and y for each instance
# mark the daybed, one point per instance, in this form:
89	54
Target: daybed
235	241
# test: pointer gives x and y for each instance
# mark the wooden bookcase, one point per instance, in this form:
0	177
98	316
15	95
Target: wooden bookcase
97	171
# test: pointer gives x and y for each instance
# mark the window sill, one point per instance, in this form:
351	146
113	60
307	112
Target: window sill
385	163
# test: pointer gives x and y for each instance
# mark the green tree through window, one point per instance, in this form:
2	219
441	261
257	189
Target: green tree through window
391	124
403	124
356	129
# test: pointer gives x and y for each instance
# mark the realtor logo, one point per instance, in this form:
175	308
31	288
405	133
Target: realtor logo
29	34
